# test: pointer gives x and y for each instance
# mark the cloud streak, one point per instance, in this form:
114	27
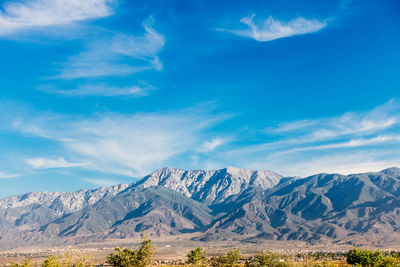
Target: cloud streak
117	55
124	144
44	163
212	144
136	144
352	142
4	175
105	53
34	14
272	29
138	90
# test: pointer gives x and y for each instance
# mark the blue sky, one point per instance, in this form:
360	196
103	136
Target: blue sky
99	92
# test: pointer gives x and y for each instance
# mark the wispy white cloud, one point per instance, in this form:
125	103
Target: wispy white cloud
271	29
44	163
118	55
141	89
291	126
353	124
212	144
105	53
4	175
352	143
135	144
355	161
346	144
25	15
126	144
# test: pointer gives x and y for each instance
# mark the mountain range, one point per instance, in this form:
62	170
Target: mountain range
226	204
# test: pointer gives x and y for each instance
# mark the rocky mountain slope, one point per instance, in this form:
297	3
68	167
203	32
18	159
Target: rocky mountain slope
224	204
62	202
210	186
320	207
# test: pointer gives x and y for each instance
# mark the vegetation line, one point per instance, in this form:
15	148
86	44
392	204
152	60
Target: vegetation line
144	256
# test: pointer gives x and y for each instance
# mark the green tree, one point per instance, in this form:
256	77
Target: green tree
71	259
52	261
266	258
133	257
366	258
196	256
390	261
233	257
230	259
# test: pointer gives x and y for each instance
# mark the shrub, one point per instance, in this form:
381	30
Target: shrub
390	261
231	259
365	257
26	263
264	259
52	261
133	257
196	256
394	254
68	260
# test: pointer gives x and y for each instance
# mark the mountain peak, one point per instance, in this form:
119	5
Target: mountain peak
213	205
209	186
236	171
244	172
232	168
393	171
168	170
62	202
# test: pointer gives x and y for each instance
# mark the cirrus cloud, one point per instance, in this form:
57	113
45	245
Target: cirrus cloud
141	89
271	29
351	142
123	144
4	175
117	55
17	16
45	163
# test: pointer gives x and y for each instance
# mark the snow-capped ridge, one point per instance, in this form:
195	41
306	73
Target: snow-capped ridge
205	186
212	185
62	202
393	171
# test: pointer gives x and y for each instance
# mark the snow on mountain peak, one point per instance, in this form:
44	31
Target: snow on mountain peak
60	201
205	186
210	186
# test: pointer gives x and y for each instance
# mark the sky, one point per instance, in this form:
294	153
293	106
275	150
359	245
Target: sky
99	92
